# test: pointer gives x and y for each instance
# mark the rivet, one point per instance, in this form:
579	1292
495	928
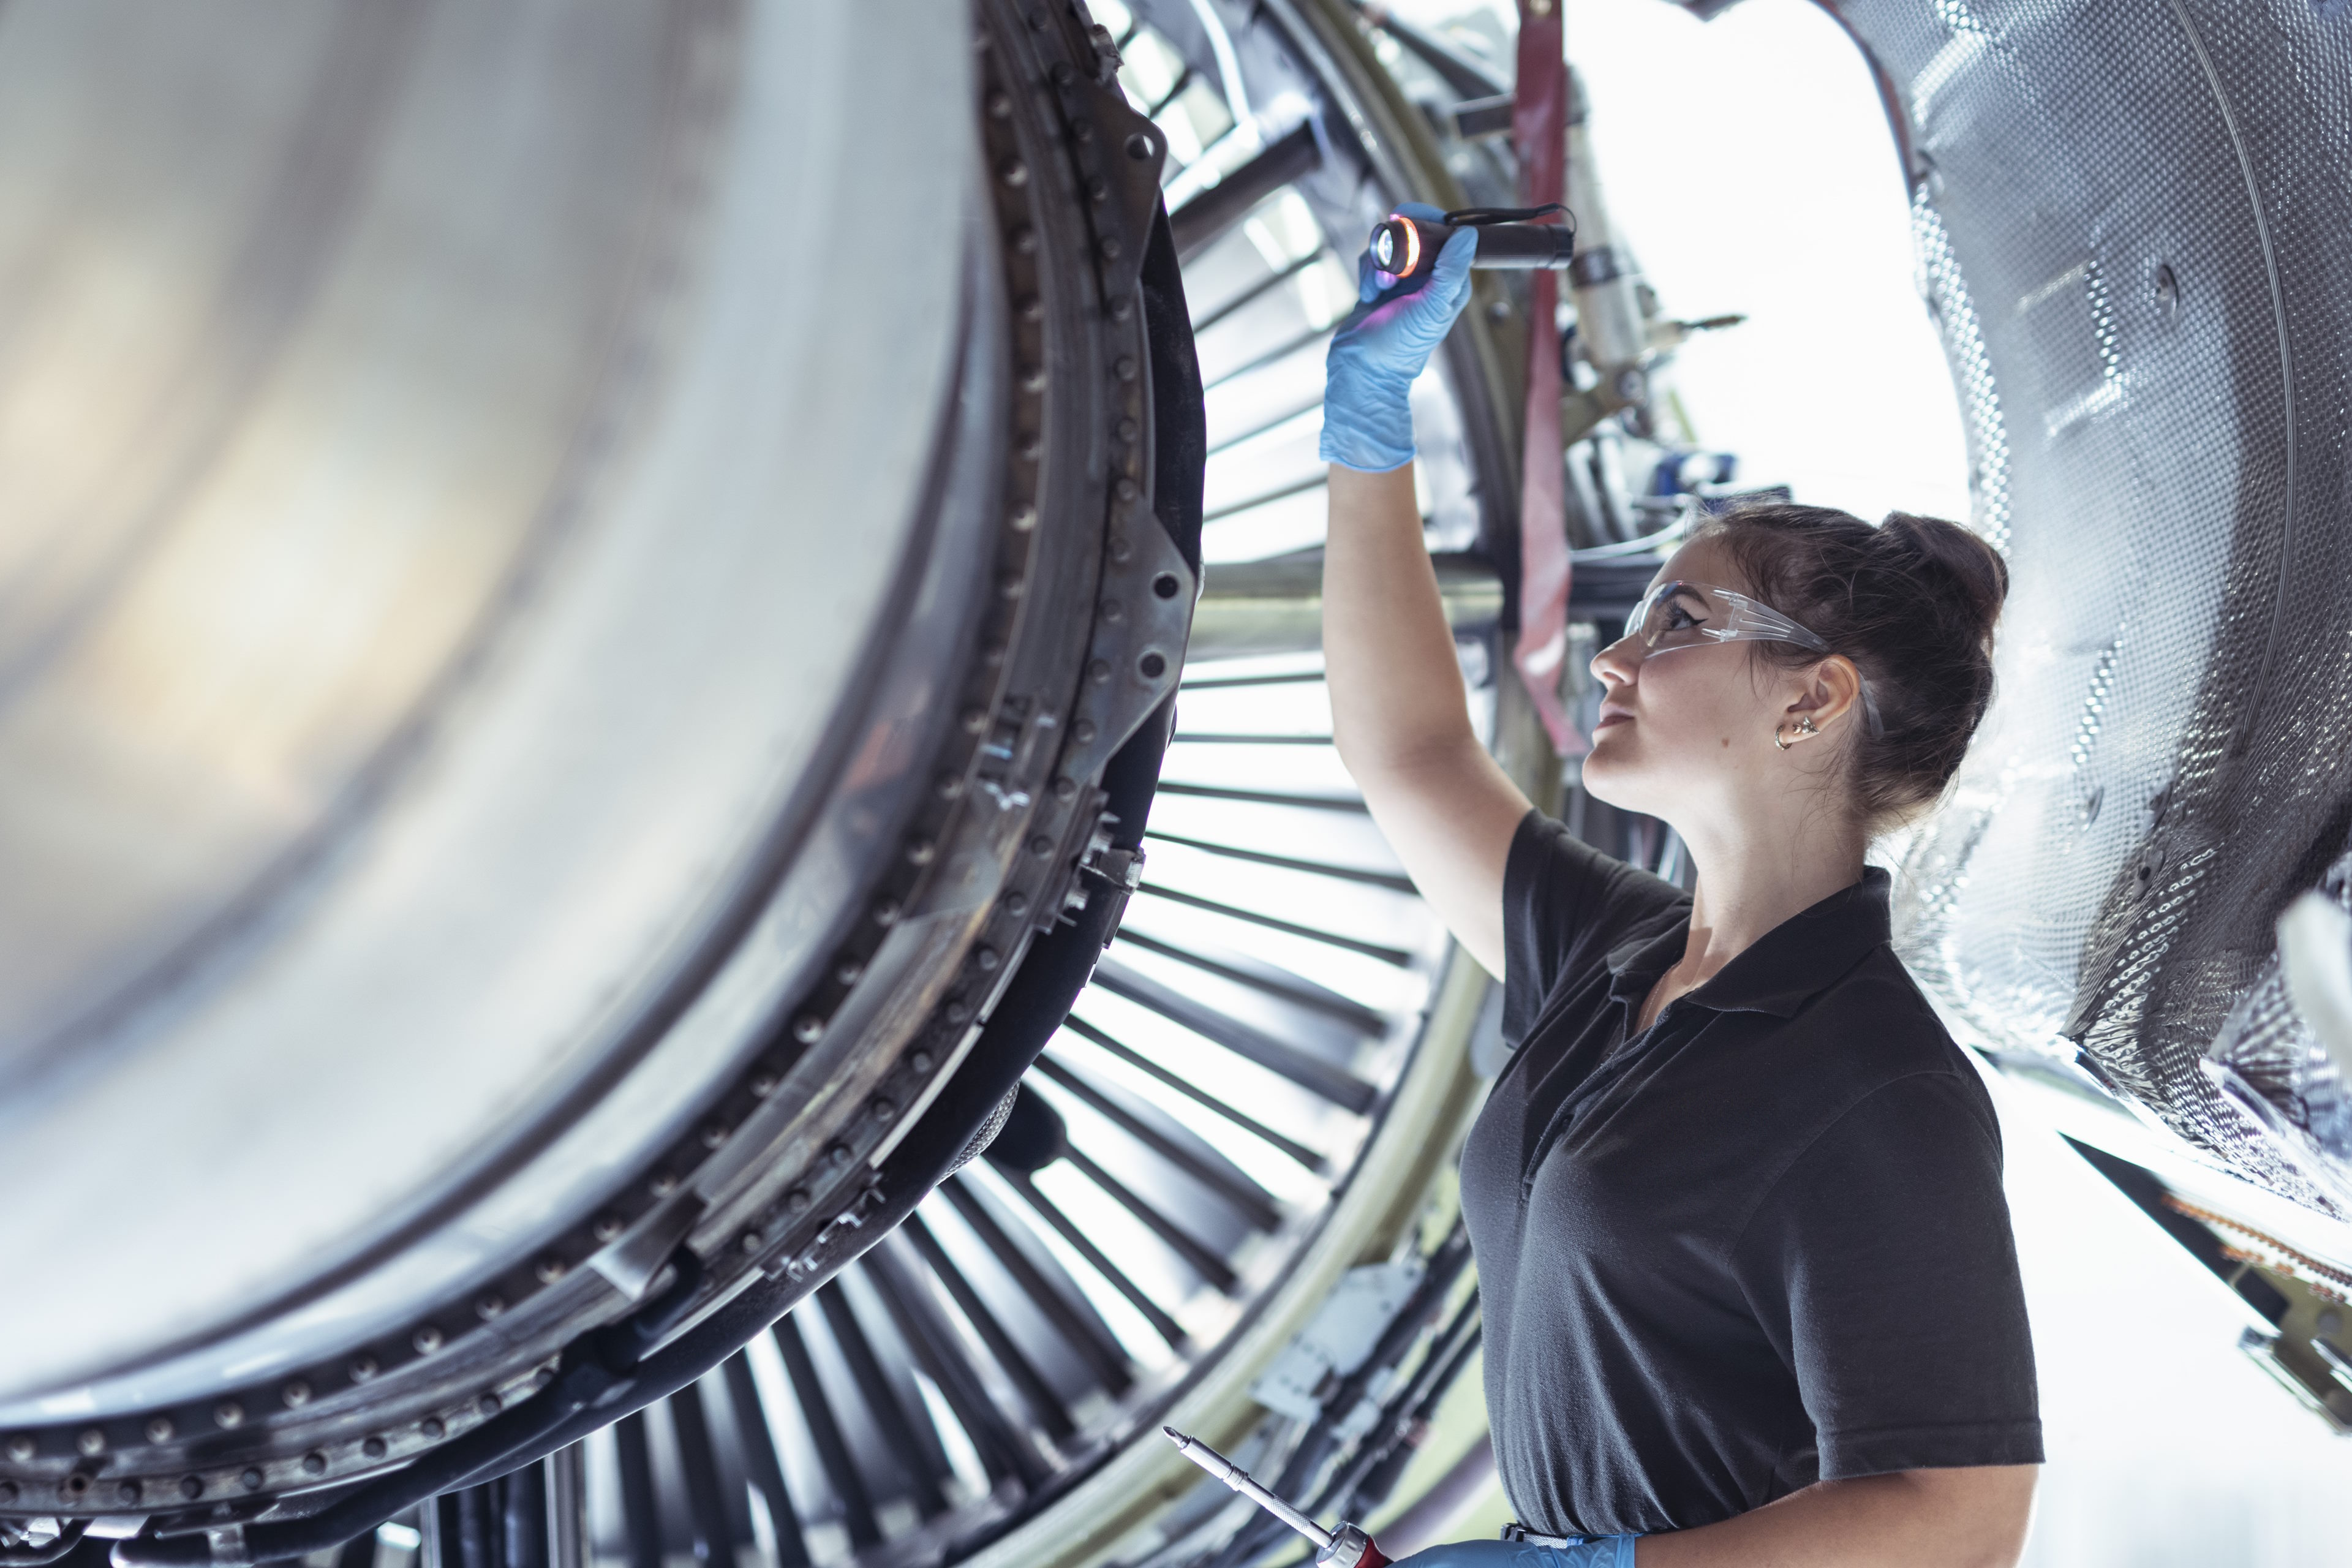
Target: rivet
1083	731
949	786
1000	104
713	1135
1024	240
1035	379
991	656
1098	191
1032	447
1126	367
919	1060
661	1184
375	1448
1097	673
1126	488
229	1414
490	1306
22	1447
885	911
1082	130
1121	550
975	720
253	1478
431	1429
1023	518
882	1109
751	1241
1030	307
1016	905
1065	788
1140	147
426	1340
1111	247
1009	585
548	1270
91	1442
314	1463
488	1404
1126	430
986	958
839	1155
160	1429
957	1010
808	1028
296	1394
1012	172
128	1491
1061	72
1121	308
192	1487
921	852
606	1227
1152	665
798	1200
1041	847
849	970
362	1368
1113	612
763	1084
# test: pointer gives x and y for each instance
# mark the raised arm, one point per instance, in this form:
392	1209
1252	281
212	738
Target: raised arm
1399	713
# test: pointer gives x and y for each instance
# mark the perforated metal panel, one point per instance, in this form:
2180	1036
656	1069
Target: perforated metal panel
2133	228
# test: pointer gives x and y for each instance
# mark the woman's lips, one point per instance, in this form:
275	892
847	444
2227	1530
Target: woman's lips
1608	719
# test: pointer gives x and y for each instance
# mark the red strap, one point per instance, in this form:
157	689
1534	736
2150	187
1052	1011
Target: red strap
1540	132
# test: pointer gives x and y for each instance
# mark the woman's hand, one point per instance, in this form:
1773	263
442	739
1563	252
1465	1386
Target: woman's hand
1601	1552
1383	346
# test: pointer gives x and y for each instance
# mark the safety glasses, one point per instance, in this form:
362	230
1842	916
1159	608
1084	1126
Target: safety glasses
1680	615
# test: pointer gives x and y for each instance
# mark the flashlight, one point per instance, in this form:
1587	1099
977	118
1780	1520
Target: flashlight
1407	246
1346	1547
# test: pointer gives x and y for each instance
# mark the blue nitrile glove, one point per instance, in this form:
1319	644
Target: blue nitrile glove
1383	346
1596	1552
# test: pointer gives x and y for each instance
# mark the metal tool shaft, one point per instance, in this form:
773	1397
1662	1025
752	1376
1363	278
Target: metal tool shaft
1241	1481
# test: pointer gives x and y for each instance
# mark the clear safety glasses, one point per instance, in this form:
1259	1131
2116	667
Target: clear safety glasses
1680	615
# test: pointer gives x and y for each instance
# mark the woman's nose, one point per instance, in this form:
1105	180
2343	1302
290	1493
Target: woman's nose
1616	663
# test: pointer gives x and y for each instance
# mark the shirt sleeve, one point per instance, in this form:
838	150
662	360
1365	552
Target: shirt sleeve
1565	905
1884	1268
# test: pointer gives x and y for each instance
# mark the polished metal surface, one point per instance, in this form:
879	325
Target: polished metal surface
451	507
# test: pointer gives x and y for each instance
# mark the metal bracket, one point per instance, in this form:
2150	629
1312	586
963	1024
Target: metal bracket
633	1261
1141	623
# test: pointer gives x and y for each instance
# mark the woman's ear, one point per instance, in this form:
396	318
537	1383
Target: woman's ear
1832	691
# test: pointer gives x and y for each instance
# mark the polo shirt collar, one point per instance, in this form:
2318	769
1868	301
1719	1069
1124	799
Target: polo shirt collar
1782	969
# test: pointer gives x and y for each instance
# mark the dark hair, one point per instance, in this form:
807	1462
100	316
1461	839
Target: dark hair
1912	602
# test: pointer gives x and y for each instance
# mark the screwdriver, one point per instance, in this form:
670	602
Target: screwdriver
1347	1547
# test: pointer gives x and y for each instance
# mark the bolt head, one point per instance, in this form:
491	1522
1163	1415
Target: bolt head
229	1414
920	1060
1041	846
192	1487
839	1155
489	1404
808	1028
426	1340
1023	518
848	972
1000	105
22	1447
548	1270
375	1448
127	1491
884	1110
432	1428
751	1242
921	852
1111	248
798	1200
606	1227
91	1442
1140	147
986	958
160	1429
296	1394
1083	731
1098	671
253	1478
314	1463
490	1306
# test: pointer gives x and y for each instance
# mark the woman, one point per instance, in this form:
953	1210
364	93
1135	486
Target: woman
1749	1291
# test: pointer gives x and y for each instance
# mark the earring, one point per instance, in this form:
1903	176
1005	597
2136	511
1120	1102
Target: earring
1804	727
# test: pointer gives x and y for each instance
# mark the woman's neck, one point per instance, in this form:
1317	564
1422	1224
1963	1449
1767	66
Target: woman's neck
1750	882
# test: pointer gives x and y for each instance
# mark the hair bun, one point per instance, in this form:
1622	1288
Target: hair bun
1972	566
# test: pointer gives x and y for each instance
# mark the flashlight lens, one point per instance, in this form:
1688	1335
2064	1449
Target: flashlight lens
1384	247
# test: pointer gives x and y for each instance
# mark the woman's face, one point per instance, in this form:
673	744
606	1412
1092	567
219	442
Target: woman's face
1686	731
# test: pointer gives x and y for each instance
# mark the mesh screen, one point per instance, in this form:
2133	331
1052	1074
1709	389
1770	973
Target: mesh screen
2134	237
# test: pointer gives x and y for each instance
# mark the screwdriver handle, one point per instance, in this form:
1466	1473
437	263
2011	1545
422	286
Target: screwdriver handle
1352	1548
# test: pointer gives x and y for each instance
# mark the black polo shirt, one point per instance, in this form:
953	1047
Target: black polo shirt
1760	1244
